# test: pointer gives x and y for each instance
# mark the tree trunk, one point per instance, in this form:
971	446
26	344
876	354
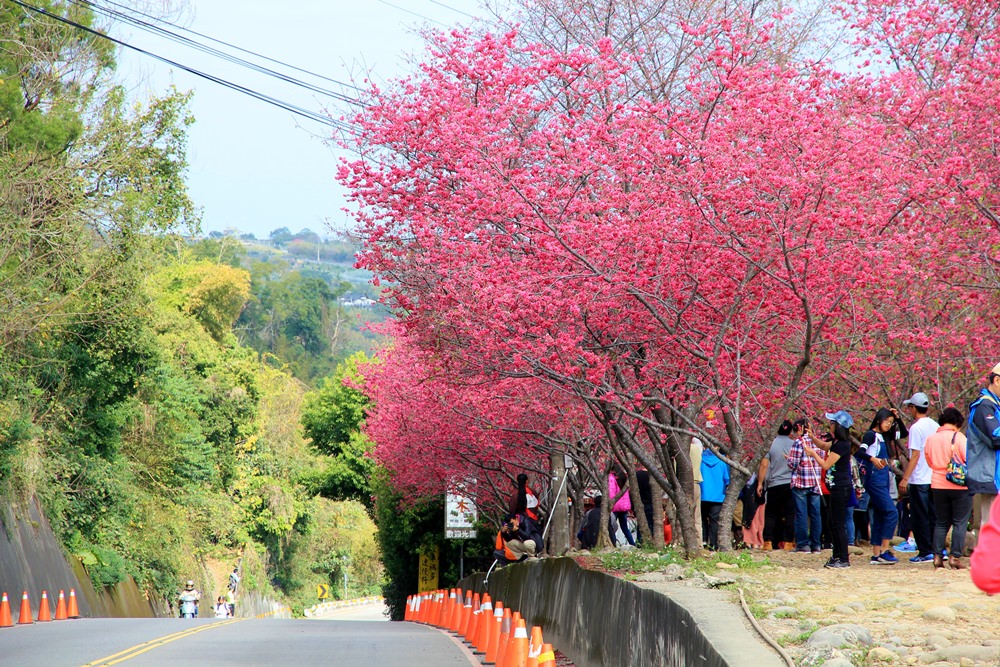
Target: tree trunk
737	480
559	518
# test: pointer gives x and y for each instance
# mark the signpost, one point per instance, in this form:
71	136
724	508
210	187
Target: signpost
459	522
459	517
322	591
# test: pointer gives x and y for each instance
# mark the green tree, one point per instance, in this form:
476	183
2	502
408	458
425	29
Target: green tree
332	418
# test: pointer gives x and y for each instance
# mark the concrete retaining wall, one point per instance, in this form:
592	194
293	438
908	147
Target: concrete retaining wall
31	560
599	620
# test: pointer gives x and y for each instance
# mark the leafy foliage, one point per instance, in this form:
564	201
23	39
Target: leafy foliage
332	418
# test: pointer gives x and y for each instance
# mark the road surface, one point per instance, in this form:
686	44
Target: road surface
231	642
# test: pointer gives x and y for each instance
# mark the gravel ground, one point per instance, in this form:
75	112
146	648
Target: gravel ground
903	614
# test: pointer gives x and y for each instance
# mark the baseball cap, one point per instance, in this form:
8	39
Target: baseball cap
918	400
996	370
841	417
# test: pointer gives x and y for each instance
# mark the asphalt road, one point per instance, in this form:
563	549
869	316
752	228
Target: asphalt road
221	643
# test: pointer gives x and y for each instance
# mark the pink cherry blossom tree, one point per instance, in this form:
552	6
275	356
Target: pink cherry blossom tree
642	258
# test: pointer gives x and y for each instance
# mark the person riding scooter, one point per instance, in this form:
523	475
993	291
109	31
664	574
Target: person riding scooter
188	601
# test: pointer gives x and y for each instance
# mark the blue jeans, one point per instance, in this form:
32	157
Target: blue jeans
883	514
851	535
808	525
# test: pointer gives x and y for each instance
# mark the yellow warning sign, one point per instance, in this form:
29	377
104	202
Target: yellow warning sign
322	591
427	576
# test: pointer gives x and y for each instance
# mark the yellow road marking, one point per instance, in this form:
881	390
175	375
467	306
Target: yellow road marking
139	649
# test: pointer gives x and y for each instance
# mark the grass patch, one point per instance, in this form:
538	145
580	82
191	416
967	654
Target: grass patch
794	640
640	560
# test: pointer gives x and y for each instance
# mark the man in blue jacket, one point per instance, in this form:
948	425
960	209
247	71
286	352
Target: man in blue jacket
983	453
714	480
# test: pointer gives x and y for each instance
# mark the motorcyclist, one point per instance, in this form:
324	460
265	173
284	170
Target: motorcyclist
188	600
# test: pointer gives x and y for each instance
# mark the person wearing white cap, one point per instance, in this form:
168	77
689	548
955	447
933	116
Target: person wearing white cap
917	478
984	445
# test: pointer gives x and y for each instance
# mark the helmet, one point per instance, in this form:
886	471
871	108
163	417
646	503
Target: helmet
190	585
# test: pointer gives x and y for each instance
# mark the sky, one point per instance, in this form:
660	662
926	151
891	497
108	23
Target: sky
255	167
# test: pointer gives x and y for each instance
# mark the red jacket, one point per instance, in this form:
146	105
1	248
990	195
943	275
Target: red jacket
985	561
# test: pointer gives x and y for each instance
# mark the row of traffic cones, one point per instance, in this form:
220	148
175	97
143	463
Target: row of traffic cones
63	610
491	630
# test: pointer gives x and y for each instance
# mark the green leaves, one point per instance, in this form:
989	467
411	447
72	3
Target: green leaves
331	419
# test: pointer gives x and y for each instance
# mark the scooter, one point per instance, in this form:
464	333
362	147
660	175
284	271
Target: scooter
189	606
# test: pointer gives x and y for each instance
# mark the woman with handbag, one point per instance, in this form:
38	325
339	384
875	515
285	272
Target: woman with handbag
945	454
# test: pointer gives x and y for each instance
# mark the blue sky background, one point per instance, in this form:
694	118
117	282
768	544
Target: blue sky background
256	167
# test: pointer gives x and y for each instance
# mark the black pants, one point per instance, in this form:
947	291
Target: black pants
710	523
839	495
953	507
922	517
779	515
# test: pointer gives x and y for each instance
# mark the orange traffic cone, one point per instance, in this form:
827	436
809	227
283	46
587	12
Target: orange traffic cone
463	625
72	610
25	617
493	641
44	614
517	649
482	628
534	646
506	629
547	658
61	607
470	632
5	620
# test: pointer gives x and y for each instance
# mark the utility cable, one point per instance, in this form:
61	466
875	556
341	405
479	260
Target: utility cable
186	41
232	46
287	106
410	11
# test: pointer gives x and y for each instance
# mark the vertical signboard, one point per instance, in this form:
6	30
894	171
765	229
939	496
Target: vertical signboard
427	576
459	516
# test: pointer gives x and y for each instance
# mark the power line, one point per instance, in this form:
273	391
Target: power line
287	106
233	46
410	11
454	9
186	41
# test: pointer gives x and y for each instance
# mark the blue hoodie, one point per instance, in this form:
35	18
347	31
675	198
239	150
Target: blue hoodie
714	477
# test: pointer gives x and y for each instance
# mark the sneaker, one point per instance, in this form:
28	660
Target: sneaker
906	547
929	558
878	560
945	555
837	564
888	557
817	550
803	550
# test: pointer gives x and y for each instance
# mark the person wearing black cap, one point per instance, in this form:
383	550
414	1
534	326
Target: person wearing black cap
984	446
917	477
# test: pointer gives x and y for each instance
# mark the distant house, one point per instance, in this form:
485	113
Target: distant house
359	302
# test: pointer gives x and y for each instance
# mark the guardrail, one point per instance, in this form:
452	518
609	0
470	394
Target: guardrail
324	607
